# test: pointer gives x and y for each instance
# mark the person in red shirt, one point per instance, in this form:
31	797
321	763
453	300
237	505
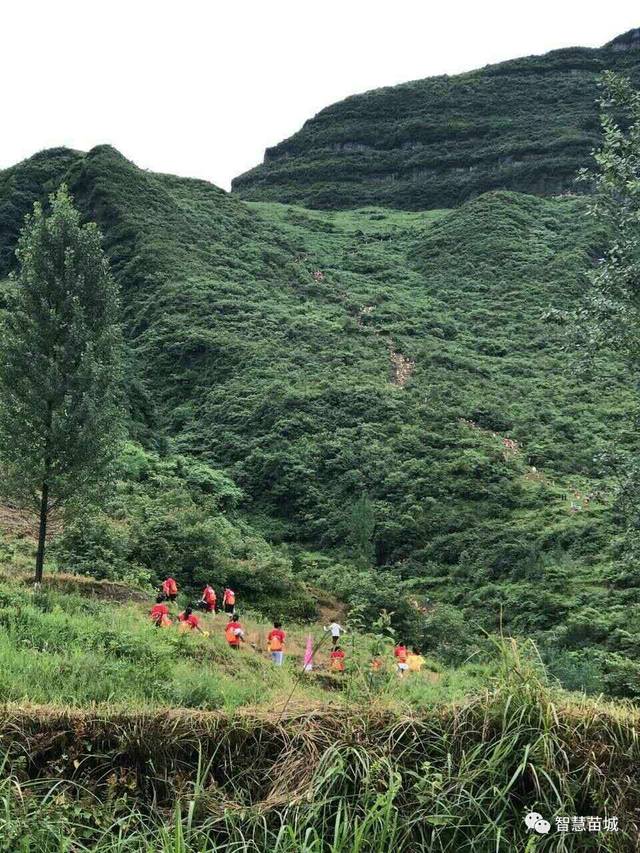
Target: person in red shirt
160	613
209	598
276	638
234	632
229	600
189	621
337	660
401	653
170	589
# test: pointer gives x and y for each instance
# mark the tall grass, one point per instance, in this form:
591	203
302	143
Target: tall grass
64	649
455	778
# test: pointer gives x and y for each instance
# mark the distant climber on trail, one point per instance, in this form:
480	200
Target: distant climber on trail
209	599
336	632
160	613
170	589
229	600
337	659
234	632
276	638
189	621
400	653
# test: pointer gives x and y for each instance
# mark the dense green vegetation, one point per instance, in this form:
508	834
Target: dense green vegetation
407	369
391	417
338	779
528	125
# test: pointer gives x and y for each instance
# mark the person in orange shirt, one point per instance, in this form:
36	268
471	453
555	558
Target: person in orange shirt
234	632
209	599
170	589
189	621
275	639
337	660
229	600
160	613
401	653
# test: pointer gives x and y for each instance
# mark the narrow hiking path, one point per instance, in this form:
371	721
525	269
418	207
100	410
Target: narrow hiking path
578	497
401	367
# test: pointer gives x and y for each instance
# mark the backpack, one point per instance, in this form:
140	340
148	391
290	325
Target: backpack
275	644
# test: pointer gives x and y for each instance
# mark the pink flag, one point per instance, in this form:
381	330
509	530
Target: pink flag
308	655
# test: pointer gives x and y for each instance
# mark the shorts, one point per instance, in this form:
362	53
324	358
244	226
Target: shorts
277	658
229	608
403	667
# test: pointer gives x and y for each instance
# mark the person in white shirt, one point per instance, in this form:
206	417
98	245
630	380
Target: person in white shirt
336	632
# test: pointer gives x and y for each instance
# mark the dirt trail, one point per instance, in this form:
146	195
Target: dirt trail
24	524
401	366
510	447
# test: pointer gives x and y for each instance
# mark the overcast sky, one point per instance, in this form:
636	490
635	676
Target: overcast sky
201	88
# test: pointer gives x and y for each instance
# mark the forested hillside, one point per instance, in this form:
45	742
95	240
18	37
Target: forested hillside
384	396
385	389
527	124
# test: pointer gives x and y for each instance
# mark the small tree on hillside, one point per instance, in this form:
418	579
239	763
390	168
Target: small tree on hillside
60	351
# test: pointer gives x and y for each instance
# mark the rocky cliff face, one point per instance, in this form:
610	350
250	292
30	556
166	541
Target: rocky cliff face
528	125
627	41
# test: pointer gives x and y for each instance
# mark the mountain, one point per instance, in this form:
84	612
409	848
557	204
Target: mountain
411	368
389	405
386	417
527	124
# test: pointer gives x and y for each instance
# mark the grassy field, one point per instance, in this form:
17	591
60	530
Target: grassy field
54	641
119	737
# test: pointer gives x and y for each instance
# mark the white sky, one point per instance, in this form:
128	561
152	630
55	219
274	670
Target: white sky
201	88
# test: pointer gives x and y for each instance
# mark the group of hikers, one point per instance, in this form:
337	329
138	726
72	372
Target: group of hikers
188	620
406	659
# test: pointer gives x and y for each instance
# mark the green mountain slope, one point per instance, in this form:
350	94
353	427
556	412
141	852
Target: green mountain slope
413	360
528	125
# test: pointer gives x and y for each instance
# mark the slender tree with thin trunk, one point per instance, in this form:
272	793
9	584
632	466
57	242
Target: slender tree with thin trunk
60	374
609	318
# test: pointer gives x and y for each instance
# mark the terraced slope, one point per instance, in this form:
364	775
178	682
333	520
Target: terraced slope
528	125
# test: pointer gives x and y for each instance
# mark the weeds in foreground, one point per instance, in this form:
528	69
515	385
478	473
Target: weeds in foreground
457	778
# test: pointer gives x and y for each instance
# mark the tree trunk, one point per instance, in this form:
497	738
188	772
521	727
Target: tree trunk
42	532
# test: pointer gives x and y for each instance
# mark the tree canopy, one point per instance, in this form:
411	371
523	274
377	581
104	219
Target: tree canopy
60	352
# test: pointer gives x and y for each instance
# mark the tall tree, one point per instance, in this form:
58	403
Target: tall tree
612	309
60	356
610	315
